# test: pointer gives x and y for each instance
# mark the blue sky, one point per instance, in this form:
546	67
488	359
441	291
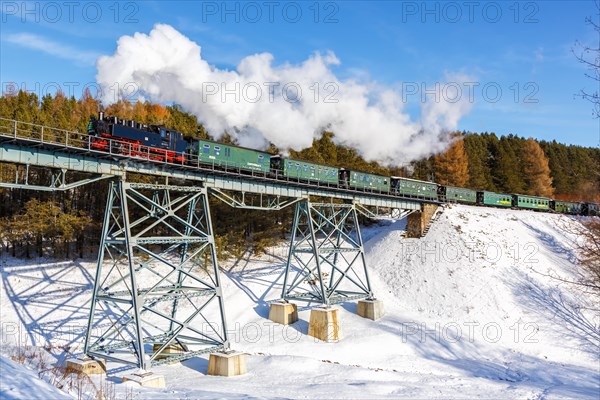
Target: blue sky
522	48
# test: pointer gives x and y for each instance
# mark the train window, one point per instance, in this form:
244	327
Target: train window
206	148
290	164
260	159
297	167
162	133
304	168
217	150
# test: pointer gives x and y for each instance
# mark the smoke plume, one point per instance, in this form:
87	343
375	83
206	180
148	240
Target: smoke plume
288	105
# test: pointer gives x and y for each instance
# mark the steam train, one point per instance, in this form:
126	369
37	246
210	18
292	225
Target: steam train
158	143
137	140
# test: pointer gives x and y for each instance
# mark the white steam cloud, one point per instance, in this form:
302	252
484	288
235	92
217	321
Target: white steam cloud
252	105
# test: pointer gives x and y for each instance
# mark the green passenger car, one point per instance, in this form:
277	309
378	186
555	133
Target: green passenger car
566	207
304	170
531	202
414	188
231	157
590	209
495	199
364	180
461	194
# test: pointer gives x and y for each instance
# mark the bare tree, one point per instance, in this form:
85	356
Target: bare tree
589	252
586	230
589	55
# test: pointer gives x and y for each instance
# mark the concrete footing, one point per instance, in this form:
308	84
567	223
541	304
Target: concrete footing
324	324
86	365
371	309
283	313
231	363
146	379
170	350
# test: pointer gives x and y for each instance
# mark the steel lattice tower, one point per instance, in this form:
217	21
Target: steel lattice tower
327	249
157	281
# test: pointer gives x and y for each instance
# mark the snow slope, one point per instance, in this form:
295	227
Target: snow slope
472	310
18	382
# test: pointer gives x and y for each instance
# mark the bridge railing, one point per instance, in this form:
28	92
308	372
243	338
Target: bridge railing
78	142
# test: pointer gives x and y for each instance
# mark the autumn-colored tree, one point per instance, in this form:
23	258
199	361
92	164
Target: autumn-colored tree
536	170
452	166
85	107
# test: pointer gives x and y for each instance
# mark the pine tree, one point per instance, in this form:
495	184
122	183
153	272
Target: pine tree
479	155
452	166
507	167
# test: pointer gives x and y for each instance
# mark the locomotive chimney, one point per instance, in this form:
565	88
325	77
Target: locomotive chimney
101	116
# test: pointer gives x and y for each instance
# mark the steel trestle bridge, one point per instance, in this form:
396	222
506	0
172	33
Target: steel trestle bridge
157	285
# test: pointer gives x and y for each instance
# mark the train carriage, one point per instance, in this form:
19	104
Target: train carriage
460	195
229	156
494	199
590	209
304	170
531	202
414	188
363	180
565	207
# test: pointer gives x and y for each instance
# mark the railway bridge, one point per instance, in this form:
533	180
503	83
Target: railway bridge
157	281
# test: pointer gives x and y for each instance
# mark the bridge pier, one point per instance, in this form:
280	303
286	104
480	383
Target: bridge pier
157	284
326	261
418	222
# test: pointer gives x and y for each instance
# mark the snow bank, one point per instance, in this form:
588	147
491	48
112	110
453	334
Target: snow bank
472	310
18	382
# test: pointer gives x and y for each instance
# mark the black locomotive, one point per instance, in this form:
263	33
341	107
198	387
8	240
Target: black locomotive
151	142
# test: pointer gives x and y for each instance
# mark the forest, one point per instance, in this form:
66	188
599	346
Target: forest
60	224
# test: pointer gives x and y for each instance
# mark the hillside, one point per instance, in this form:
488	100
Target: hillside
471	311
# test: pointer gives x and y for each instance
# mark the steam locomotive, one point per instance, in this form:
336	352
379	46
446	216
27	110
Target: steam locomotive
159	143
137	140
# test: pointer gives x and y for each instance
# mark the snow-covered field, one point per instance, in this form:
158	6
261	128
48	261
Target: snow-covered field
472	310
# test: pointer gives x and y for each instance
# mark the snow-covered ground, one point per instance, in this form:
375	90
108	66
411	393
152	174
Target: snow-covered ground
472	310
